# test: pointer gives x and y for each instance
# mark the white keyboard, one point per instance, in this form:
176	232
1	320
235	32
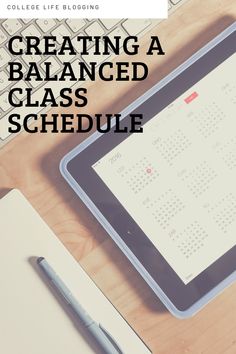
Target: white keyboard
58	28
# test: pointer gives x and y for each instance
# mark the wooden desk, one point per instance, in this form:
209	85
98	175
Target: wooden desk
30	163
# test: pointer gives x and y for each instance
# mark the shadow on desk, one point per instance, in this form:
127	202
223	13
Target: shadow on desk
50	162
4	191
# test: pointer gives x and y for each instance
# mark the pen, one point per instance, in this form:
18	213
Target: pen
102	337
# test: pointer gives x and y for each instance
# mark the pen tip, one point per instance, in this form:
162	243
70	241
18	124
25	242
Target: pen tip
40	259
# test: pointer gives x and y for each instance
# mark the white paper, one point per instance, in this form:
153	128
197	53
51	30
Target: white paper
32	320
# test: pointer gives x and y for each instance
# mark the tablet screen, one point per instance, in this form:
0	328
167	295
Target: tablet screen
177	178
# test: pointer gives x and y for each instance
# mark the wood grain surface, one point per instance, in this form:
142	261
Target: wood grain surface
30	163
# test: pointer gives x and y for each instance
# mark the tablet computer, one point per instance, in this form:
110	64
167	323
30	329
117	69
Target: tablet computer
167	196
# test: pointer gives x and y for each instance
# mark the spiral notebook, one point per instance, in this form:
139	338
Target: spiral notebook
33	321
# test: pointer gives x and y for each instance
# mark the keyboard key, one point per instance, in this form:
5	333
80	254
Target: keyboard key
31	58
134	27
3	80
41	47
65	57
175	2
109	22
117	32
31	30
26	20
4	57
46	24
12	26
75	24
54	67
3	37
4	103
77	44
33	83
95	29
59	32
22	85
16	45
23	67
76	70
